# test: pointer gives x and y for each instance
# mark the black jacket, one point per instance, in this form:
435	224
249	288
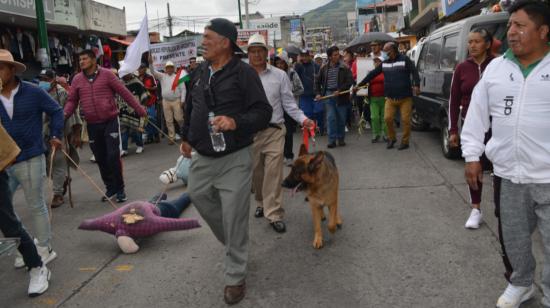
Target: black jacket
397	77
345	81
307	73
234	91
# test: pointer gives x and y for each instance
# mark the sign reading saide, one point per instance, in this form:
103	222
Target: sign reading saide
26	8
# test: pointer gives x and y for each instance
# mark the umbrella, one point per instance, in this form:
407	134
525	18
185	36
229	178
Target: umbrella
369	37
292	49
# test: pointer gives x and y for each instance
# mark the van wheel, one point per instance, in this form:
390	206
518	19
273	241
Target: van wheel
417	123
448	152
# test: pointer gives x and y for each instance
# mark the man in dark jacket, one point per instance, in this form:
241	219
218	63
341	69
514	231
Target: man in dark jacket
308	71
398	90
220	177
333	78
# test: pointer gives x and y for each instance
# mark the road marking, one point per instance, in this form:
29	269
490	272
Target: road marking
124	268
87	269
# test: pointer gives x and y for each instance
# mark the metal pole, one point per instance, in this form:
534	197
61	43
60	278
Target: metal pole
42	33
240	15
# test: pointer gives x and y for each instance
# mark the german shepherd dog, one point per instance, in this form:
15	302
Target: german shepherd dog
317	174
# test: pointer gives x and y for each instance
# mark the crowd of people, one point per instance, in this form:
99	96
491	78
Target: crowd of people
236	122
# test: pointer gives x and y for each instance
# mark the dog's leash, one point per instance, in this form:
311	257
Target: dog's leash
149	121
308	133
89	179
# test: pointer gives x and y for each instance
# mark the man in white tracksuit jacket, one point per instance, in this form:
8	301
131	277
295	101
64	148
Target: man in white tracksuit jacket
513	98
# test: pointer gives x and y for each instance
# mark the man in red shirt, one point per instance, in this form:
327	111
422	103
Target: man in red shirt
150	85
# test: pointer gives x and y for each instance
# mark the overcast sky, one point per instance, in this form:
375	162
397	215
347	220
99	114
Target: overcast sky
193	14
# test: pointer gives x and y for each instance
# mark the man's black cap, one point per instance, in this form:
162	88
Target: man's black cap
226	29
47	73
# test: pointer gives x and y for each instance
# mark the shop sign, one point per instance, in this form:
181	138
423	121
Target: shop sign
451	6
272	25
26	8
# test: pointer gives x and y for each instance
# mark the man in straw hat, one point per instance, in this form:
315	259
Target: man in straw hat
11	225
21	115
220	181
269	143
173	99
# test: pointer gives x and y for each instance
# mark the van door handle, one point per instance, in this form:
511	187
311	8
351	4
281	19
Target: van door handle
423	81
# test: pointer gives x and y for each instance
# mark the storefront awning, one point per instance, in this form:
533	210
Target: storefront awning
123	42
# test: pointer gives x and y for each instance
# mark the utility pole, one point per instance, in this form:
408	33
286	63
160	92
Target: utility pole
240	15
246	14
169	19
42	34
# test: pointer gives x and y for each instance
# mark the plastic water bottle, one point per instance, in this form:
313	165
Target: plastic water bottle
218	141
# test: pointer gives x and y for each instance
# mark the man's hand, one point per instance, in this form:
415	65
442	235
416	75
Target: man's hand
56	143
453	140
473	174
336	93
309	124
142	112
317	97
416	90
185	149
224	123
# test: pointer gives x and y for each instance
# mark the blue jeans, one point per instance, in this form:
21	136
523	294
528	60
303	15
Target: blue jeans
174	208
31	176
127	133
11	226
313	110
149	129
336	115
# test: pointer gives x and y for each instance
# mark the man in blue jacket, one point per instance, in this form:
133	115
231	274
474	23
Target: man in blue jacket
308	71
23	105
398	90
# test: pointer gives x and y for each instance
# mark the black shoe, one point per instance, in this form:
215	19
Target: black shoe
121	197
109	195
376	139
331	145
279	226
157	198
390	145
342	143
259	212
403	146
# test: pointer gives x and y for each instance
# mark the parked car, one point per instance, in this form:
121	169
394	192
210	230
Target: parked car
440	52
414	52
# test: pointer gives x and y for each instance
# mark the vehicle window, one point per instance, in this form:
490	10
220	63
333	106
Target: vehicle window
434	51
499	33
422	57
448	56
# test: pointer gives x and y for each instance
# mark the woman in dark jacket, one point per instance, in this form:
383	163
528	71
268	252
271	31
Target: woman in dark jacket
465	77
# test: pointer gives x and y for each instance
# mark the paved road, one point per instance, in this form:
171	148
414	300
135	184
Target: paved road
403	243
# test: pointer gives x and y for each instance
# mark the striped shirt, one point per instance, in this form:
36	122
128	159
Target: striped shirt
332	78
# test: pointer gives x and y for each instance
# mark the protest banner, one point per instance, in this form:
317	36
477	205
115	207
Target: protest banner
177	52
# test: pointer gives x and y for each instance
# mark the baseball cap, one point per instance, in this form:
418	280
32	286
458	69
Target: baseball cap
226	29
47	73
317	56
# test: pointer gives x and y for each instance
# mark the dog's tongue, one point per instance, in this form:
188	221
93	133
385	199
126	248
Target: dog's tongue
295	189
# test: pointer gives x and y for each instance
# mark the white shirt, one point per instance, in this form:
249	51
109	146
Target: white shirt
278	90
8	102
166	82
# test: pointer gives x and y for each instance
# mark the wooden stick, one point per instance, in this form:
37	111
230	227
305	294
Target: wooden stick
50	183
159	130
90	179
339	93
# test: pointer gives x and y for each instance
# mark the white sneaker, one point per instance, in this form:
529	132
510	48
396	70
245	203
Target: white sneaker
39	280
513	296
288	162
123	153
92	159
367	125
46	254
178	137
475	219
346	129
139	150
168	176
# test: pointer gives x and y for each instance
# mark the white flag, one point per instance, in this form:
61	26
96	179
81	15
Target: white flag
132	60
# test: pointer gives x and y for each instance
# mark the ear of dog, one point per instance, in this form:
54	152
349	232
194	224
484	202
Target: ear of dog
303	150
315	162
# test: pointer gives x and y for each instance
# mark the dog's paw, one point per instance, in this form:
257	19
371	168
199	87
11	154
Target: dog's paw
331	228
318	243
